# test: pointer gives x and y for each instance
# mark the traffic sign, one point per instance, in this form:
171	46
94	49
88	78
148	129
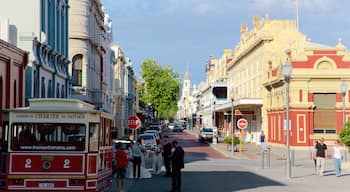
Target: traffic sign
242	123
133	122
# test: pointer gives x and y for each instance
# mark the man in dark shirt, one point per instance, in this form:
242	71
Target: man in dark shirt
321	156
166	155
177	163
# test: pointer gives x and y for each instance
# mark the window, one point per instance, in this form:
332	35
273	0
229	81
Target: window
48	137
49	89
58	90
93	137
62	92
14	94
43	87
77	70
35	84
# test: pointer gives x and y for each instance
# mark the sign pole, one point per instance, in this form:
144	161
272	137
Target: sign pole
240	141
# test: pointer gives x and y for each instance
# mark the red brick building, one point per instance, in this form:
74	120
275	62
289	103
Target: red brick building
12	64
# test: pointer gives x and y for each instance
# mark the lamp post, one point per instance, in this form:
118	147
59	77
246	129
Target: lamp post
344	88
287	71
232	128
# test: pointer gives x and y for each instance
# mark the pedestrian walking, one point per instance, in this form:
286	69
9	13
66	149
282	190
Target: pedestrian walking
314	156
121	165
157	159
262	141
177	163
321	156
166	155
136	156
338	154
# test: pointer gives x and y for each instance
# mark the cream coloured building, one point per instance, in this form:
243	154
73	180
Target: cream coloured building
87	51
259	47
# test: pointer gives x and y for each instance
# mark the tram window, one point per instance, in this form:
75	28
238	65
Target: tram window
3	135
48	136
93	136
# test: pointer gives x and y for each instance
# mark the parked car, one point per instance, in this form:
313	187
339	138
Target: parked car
178	128
155	127
155	132
122	140
171	126
150	140
206	134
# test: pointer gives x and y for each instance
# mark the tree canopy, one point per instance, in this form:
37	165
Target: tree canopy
161	88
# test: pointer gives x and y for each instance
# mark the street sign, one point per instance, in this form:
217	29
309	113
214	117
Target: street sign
242	123
133	122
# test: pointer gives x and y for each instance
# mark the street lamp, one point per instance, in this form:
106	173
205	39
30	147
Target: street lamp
344	88
287	71
233	129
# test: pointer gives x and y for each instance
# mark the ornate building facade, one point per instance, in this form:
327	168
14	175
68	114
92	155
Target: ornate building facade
44	32
87	51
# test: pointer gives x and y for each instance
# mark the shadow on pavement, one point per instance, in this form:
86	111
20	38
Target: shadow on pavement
207	182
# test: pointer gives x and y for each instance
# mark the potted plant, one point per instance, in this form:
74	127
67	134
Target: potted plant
228	142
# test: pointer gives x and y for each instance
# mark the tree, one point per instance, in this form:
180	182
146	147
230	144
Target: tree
161	88
345	134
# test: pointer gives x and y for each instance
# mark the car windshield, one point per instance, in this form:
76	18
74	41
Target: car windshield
207	130
154	128
146	137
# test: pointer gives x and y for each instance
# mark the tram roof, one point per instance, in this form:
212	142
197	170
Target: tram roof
56	105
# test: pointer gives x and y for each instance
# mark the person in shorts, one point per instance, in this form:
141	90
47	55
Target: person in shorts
121	165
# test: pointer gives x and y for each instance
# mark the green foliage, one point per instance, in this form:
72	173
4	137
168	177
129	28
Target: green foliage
344	135
228	140
161	88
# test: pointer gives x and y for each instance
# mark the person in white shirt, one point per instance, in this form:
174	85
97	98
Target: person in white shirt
338	151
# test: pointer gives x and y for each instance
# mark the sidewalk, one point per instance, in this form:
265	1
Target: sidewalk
251	151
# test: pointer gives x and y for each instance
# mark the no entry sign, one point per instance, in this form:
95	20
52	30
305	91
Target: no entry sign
242	123
133	122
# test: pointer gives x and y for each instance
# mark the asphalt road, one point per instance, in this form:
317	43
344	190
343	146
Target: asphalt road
207	170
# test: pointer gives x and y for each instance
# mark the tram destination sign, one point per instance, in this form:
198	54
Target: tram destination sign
48	116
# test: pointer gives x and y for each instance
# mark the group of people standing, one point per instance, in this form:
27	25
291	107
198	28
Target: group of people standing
320	156
130	162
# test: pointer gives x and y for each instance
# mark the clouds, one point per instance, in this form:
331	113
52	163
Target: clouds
277	7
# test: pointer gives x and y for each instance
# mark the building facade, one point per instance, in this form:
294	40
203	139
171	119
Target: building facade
318	107
264	44
87	51
43	32
12	66
118	89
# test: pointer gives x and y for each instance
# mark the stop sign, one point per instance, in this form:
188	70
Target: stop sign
242	123
133	122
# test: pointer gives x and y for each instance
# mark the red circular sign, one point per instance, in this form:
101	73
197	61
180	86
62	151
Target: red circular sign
242	123
133	122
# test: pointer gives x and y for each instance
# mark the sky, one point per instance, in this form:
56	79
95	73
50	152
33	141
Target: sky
183	33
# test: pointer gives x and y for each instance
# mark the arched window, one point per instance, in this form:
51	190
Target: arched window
14	94
62	92
43	94
58	90
35	84
77	69
49	89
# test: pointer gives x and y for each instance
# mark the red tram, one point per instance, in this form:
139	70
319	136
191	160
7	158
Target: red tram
56	145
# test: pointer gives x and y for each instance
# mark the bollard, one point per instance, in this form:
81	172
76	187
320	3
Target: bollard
262	159
293	157
269	156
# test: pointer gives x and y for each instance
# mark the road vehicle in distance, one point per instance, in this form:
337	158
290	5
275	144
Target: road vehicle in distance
206	134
